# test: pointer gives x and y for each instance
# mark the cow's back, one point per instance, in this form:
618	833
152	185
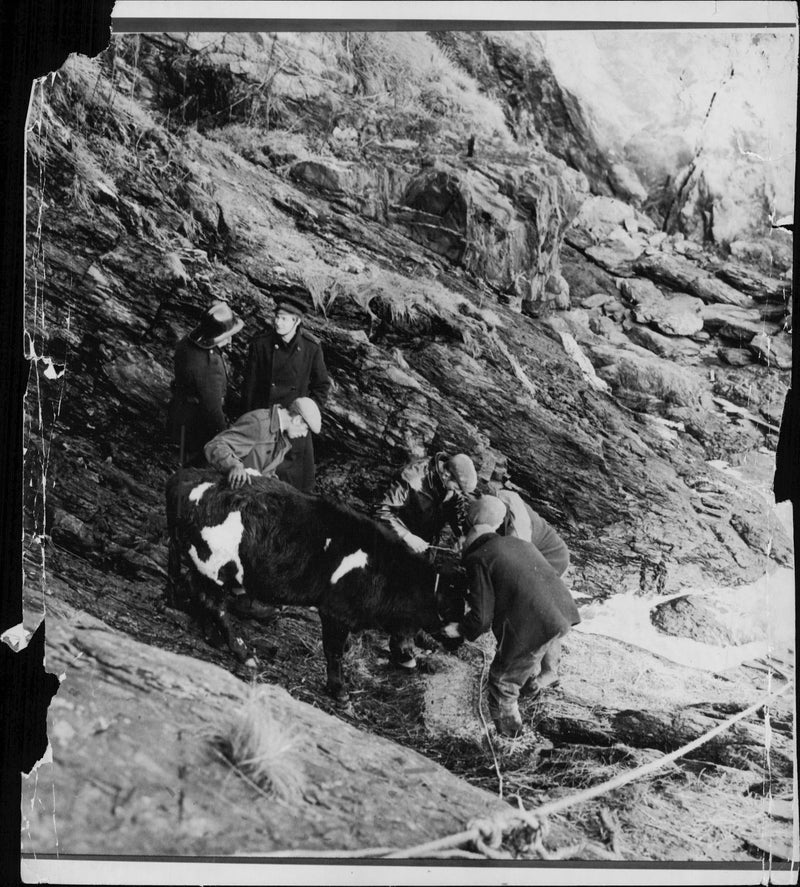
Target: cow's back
266	536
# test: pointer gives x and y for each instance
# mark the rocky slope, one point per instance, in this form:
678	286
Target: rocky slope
487	303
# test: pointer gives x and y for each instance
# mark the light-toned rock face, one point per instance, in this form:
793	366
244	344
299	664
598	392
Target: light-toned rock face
713	112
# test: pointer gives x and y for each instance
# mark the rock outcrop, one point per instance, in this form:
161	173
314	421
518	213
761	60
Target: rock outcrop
470	296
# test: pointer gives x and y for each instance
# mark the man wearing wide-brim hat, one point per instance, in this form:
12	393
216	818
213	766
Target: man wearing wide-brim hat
197	408
284	363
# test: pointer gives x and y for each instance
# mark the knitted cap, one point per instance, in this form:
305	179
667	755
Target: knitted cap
487	510
462	469
309	411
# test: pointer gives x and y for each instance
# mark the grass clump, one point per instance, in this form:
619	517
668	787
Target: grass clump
261	748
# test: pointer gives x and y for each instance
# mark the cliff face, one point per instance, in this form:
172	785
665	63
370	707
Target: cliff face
416	257
704	121
500	301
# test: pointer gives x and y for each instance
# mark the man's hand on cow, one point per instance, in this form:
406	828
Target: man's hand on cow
238	476
415	543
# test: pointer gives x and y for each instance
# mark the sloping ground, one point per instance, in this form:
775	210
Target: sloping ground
134	770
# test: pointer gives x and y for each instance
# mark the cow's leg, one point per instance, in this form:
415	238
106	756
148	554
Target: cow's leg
171	591
334	638
211	604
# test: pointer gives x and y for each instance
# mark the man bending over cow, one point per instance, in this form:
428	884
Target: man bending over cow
514	591
429	494
258	441
256	444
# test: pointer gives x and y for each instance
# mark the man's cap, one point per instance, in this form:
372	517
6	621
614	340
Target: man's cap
309	411
462	469
291	303
217	325
487	510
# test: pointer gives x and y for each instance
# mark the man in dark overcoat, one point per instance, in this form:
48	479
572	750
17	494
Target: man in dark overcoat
514	591
285	363
197	408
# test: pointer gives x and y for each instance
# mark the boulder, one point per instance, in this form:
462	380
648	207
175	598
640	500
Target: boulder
680	274
768	254
676	315
626	184
737	357
646	374
664	346
615	257
717	316
761	287
596	300
686	618
773	350
745	330
599	216
585	278
501	222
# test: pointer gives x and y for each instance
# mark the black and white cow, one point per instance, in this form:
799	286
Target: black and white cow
287	547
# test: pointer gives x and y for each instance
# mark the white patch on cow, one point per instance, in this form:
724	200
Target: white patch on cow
197	493
451	630
356	560
327	543
224	541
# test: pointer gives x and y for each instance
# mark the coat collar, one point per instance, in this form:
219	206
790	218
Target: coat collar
479	542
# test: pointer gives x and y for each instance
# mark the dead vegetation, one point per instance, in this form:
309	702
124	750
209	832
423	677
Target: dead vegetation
261	748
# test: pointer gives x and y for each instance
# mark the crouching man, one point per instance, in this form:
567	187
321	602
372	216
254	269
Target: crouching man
514	591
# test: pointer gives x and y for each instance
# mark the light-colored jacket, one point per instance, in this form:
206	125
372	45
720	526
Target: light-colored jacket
255	441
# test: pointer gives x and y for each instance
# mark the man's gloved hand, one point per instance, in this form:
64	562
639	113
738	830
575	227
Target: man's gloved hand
415	543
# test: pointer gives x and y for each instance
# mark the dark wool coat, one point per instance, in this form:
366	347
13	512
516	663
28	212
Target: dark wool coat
416	502
277	373
513	590
198	396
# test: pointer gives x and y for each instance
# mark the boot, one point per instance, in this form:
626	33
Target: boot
509	724
244	607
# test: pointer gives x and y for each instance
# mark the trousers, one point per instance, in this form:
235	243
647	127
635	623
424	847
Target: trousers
511	670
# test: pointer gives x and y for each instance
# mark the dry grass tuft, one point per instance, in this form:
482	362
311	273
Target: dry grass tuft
261	748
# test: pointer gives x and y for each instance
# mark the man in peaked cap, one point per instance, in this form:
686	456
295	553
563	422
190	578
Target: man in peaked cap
197	407
514	591
285	363
429	494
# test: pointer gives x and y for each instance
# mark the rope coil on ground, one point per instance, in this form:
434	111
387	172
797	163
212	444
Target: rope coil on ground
504	820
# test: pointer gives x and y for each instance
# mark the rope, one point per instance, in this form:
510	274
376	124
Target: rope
497	770
479	830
